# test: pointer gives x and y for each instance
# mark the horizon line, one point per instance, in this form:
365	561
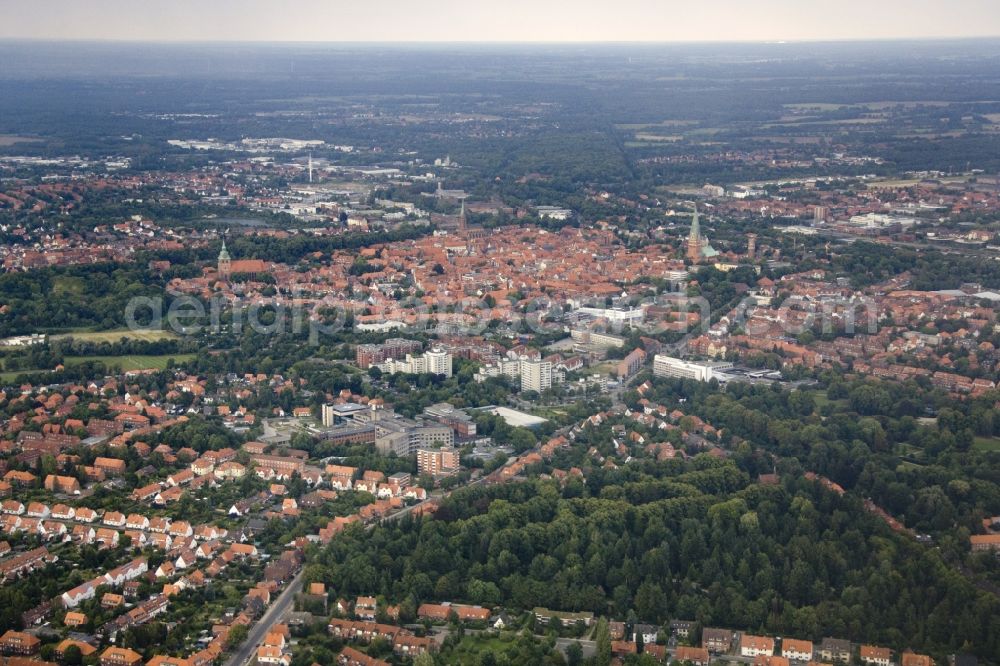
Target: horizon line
502	42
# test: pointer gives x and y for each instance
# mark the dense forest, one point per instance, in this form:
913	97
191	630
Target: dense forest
291	250
692	540
873	437
73	297
868	263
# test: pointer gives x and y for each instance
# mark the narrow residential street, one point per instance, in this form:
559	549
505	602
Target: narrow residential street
271	617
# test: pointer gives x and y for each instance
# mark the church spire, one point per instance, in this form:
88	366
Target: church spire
225	261
694	239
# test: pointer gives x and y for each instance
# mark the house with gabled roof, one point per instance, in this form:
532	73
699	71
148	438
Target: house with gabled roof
695	655
159	540
113	519
74	597
158	524
834	650
138	538
137	521
63	512
37	510
753	646
909	658
19	643
873	655
83	534
796	650
146	493
107	537
181	528
86	649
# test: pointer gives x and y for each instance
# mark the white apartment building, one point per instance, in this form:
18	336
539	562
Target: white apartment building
597	339
436	362
536	375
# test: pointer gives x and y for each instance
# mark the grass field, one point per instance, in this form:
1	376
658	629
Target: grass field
986	444
909	182
132	362
604	368
646	126
840	121
551	413
67	286
910	451
9	377
815	106
469	650
873	106
645	136
116	335
124	362
821	399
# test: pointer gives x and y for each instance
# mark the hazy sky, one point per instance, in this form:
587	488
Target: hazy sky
496	20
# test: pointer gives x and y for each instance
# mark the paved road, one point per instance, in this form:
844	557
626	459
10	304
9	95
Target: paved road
277	610
589	647
272	616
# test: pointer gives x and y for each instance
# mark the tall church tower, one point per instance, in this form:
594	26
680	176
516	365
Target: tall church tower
694	240
225	261
461	218
751	246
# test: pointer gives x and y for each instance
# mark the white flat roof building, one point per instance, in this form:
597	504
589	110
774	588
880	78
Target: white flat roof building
615	314
668	366
516	418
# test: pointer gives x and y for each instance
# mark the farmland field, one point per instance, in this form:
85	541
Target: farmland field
12	139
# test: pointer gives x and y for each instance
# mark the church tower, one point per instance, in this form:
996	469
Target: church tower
461	218
751	246
694	240
225	261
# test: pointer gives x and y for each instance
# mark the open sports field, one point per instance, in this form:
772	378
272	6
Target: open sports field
132	362
116	335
